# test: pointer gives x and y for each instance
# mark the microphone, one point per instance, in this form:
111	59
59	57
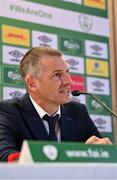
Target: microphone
78	93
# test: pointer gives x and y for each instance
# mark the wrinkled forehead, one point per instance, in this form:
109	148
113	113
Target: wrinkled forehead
53	60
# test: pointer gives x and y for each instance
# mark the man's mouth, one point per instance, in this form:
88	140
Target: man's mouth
65	91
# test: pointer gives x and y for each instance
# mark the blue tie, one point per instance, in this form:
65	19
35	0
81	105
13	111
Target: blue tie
51	122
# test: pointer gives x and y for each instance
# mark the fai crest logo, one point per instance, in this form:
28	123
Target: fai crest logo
85	22
50	151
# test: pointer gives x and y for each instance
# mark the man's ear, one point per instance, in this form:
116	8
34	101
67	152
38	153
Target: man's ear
31	83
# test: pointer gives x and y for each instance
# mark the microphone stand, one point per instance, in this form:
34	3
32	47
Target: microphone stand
77	93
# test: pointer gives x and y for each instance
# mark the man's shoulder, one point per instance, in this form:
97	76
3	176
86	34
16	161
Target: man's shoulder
11	103
74	105
75	109
8	102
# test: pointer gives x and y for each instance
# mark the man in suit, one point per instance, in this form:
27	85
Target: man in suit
47	80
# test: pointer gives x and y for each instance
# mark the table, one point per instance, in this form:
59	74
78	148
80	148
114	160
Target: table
62	171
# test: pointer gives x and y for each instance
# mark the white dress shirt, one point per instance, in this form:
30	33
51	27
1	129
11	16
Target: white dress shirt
42	112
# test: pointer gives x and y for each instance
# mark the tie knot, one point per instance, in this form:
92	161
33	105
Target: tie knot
51	120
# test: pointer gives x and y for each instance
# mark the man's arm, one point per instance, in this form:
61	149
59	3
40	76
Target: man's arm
8	131
93	136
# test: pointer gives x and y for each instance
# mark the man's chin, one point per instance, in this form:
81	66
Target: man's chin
65	101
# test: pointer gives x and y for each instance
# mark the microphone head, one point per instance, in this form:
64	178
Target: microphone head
76	93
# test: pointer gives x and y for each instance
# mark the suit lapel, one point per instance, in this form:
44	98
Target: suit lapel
36	127
67	125
32	120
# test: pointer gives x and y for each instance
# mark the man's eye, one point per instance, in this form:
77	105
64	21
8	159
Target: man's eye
57	75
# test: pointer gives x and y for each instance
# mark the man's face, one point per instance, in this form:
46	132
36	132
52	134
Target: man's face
54	85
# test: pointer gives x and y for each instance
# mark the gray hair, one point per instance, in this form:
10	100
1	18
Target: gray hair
31	63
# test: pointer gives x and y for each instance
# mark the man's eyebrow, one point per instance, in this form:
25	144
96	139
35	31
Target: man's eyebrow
59	70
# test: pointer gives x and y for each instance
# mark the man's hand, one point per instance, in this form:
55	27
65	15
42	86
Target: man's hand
96	140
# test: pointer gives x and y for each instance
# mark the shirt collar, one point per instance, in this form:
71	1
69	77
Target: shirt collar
41	111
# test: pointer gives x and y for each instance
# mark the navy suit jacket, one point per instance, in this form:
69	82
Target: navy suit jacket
19	120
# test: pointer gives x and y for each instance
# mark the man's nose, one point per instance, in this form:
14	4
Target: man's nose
67	79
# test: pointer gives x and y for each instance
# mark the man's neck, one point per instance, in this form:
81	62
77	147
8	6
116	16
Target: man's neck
49	108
